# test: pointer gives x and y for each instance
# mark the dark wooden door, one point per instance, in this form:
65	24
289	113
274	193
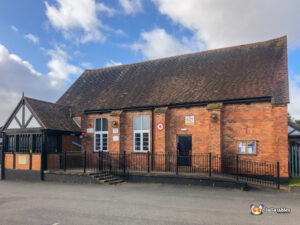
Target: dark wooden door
184	148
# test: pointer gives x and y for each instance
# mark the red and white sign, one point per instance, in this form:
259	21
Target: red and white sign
160	126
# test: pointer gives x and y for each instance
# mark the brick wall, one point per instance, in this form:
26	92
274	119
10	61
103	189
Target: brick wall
200	131
257	121
22	161
9	161
67	145
263	122
53	161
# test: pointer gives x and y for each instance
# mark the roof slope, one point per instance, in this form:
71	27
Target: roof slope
52	116
293	130
246	71
294	125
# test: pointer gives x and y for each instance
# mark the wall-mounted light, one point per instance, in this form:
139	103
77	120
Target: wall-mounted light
214	116
115	123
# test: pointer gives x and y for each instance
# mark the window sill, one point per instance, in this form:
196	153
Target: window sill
254	154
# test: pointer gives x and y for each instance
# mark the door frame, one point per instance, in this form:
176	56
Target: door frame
177	149
177	140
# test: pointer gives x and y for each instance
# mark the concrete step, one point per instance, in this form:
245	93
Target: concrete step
116	182
106	178
100	174
110	179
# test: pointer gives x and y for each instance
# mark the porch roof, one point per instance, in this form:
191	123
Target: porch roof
293	129
52	116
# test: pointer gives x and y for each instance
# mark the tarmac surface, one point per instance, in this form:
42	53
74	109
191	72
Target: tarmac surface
50	203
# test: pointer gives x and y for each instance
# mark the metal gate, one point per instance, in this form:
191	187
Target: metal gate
294	161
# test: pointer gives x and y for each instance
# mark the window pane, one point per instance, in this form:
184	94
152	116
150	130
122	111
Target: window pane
37	143
10	143
146	122
137	122
98	125
137	141
242	147
104	124
145	141
104	142
251	147
97	142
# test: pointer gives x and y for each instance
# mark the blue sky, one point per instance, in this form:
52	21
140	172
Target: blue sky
46	45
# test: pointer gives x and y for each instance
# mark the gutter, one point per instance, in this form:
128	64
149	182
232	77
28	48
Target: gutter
179	105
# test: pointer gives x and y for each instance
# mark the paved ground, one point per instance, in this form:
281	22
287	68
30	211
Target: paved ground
56	203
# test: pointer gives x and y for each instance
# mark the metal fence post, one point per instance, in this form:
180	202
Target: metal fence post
148	158
110	163
237	167
84	162
65	161
278	175
210	164
99	158
124	162
30	160
177	162
3	157
14	160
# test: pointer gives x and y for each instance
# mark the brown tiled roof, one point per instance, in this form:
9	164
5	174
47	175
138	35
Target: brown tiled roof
52	116
294	125
240	72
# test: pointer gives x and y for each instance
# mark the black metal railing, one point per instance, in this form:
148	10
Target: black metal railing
124	164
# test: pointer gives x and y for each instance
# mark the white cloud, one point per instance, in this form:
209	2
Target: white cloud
131	6
103	8
78	19
15	29
158	43
233	22
87	65
18	75
61	69
113	63
32	38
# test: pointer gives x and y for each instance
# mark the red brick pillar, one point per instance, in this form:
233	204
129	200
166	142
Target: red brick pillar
85	124
160	130
115	132
159	159
215	128
280	140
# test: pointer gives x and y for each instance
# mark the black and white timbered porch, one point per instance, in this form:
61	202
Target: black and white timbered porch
34	129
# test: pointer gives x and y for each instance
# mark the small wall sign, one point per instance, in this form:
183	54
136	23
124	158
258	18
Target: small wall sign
189	120
90	130
115	138
22	160
160	126
115	130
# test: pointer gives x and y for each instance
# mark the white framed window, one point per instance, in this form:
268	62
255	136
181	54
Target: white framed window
247	147
141	133
101	134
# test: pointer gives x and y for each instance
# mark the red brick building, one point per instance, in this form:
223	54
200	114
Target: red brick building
227	101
